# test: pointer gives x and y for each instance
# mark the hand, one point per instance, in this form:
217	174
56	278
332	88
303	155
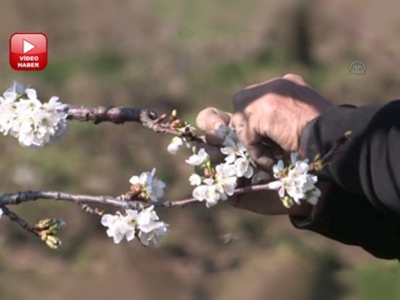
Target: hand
270	117
263	202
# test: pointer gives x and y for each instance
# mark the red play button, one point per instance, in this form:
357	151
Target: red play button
28	51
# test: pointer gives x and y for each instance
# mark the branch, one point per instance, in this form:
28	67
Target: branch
320	162
22	197
119	115
21	222
116	115
190	201
118	201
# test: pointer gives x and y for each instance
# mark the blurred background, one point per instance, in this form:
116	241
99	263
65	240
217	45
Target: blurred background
184	54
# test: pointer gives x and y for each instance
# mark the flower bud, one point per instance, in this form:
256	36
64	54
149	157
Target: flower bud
50	225
52	242
287	202
99	211
178	123
209	173
144	196
43	224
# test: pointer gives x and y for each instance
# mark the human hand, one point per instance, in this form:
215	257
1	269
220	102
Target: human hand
269	117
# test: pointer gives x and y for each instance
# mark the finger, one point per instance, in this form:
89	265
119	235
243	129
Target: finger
261	149
209	120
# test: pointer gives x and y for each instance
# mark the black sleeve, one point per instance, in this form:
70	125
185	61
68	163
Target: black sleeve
364	206
352	220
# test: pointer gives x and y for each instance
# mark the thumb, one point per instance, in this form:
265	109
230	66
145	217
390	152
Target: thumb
209	120
261	149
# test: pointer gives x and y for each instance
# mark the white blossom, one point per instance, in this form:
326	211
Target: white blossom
243	167
119	226
198	159
313	196
1	213
209	192
200	192
145	224
56	115
178	141
220	188
233	149
226	178
14	91
236	153
278	168
153	187
175	145
150	228
295	181
195	179
8	114
29	120
279	186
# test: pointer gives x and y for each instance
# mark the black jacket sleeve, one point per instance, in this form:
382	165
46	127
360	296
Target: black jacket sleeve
363	207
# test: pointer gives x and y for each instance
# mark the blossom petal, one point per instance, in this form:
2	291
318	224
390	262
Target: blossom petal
275	185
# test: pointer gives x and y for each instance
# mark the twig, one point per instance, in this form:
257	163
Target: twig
116	115
119	115
157	126
21	197
21	222
336	147
190	201
118	201
319	163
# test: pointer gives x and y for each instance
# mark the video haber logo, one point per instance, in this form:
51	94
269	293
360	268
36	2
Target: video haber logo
28	51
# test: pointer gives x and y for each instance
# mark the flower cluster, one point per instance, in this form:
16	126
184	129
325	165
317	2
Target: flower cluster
47	228
144	224
236	153
294	183
32	122
178	141
214	188
220	182
148	186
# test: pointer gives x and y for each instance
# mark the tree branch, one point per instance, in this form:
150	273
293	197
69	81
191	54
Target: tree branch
116	115
116	201
190	201
119	115
22	197
21	222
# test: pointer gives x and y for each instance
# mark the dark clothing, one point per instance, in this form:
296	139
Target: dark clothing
363	206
